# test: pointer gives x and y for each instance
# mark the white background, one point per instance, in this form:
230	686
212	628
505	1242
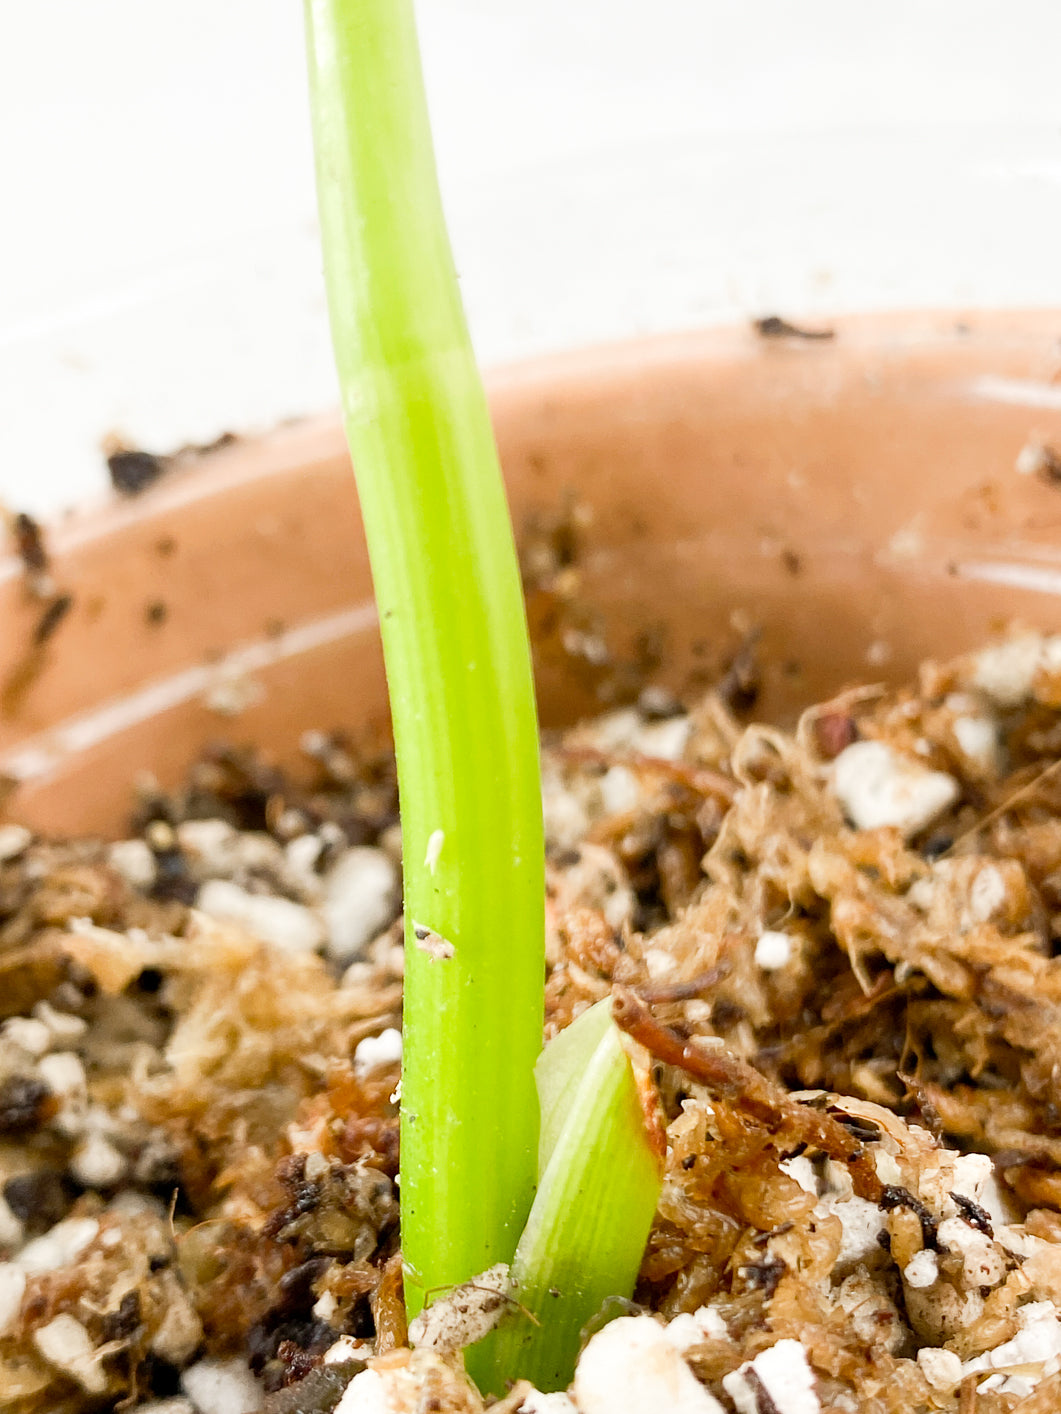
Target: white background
610	168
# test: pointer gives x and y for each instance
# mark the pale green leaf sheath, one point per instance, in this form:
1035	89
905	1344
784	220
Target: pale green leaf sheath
599	1187
456	648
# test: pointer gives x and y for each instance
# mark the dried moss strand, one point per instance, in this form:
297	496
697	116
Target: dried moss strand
743	1086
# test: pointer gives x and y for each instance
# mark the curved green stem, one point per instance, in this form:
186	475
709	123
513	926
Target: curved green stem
455	642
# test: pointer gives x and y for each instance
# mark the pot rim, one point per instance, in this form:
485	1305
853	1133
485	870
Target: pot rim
563	422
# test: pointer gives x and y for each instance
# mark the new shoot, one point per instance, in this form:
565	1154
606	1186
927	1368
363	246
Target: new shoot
458	667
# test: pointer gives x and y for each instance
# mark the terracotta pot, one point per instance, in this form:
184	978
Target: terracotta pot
854	498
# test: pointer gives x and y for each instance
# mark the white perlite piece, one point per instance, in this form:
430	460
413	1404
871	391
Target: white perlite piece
1007	671
974	888
773	950
877	786
134	861
300	857
564	813
978	739
180	1332
12	1290
631	1367
999	1205
537	1403
983	1261
667	739
59	1247
986	896
874	1318
712	1323
96	1163
11	1230
941	1368
13	840
862	1223
384	1049
687	1330
619	791
369	1393
922	1270
212	845
684	1332
222	1387
360	899
347	1347
783	1372
1038	1342
28	1034
802	1170
64	1075
972	1174
167	1406
285	925
66	1344
63	1026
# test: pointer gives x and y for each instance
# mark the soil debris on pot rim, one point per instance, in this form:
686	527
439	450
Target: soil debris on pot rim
773	326
133	470
50	606
833	951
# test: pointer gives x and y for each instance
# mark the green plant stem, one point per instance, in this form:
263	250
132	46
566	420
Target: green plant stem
455	642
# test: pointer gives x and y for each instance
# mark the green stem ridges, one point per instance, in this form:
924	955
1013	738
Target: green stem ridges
455	640
458	667
598	1189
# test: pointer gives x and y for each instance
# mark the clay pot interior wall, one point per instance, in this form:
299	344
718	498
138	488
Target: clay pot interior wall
855	500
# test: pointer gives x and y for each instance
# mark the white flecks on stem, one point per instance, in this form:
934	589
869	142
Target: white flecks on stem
438	948
435	841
